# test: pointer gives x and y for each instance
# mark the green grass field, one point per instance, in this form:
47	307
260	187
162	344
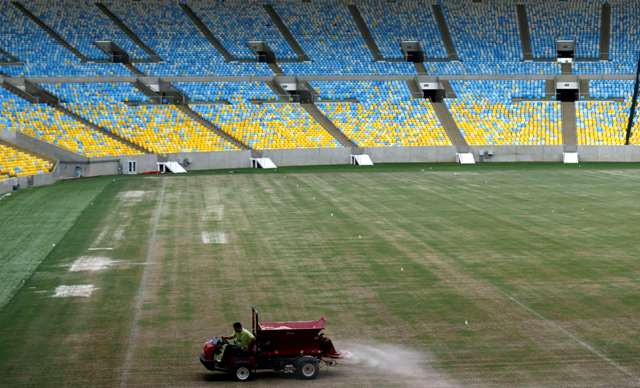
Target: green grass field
490	275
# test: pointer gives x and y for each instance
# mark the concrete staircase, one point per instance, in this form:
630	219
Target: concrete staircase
53	34
525	36
584	89
605	31
328	125
420	69
444	32
450	126
569	133
286	34
550	89
448	89
132	35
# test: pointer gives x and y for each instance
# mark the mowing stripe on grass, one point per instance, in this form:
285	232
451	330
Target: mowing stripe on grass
33	223
139	301
572	336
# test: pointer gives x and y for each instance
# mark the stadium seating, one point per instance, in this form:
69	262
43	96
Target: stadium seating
165	27
578	20
486	30
261	126
17	163
385	114
158	129
51	126
604	122
485	36
330	37
268	126
225	91
64	16
487	115
236	23
42	56
625	30
409	21
93	93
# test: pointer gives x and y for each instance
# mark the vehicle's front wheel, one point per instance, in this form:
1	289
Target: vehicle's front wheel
242	373
308	368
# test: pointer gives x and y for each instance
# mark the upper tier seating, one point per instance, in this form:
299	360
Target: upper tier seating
14	162
235	23
329	36
164	26
43	56
409	20
572	19
485	35
63	16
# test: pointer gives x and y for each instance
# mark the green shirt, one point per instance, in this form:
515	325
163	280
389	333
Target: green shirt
243	339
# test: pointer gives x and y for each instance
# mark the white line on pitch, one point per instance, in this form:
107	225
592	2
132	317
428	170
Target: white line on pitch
100	249
572	336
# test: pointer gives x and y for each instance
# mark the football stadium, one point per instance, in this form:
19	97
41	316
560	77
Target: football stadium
319	193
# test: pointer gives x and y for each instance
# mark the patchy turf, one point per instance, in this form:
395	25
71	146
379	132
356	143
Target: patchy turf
33	221
433	275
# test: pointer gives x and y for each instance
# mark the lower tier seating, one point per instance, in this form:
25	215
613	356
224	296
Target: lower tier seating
158	129
408	123
51	126
268	126
14	162
487	122
602	122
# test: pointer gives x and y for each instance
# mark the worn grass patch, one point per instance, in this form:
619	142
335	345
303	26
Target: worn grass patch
33	221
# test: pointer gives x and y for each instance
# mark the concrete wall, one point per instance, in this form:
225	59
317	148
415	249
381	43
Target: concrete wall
609	153
241	159
520	153
6	186
212	160
411	154
41	148
321	156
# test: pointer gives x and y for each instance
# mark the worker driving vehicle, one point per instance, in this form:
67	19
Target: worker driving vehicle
238	343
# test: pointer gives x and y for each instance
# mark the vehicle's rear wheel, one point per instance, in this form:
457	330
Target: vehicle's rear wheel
308	368
242	373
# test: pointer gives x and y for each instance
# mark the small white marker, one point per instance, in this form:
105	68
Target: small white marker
466	322
401	269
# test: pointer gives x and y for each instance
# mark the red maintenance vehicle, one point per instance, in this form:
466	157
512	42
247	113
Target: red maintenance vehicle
291	347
